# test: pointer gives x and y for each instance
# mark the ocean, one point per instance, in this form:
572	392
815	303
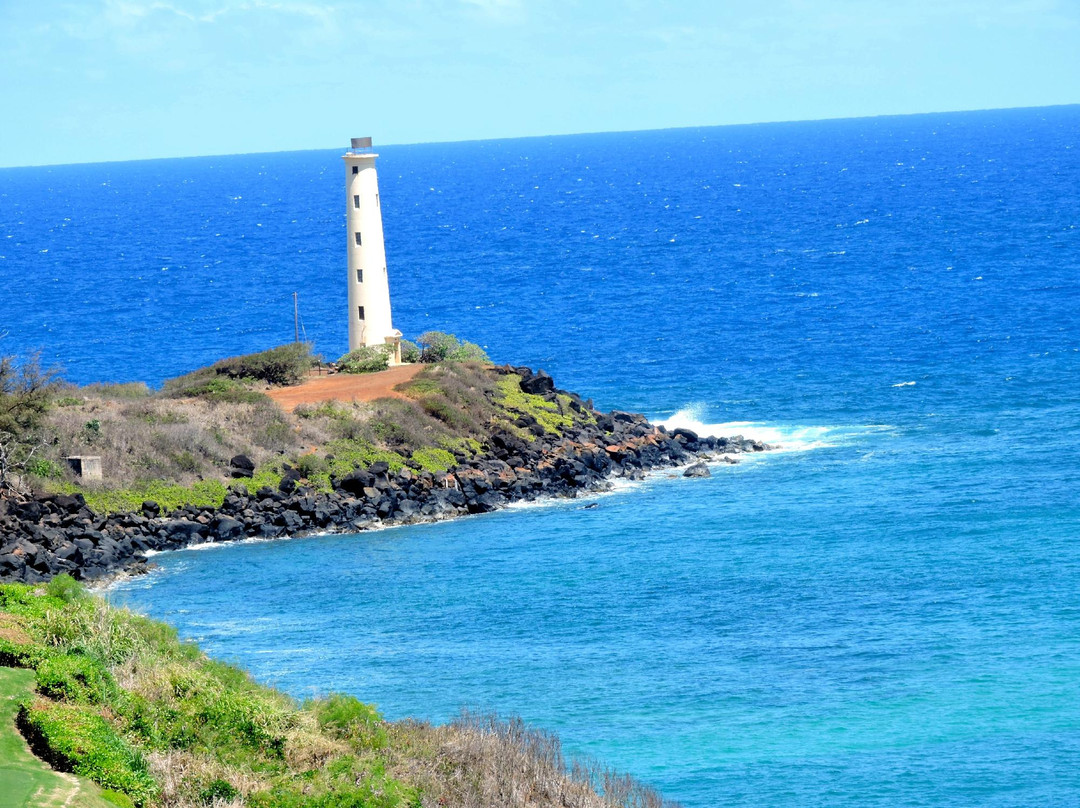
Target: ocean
884	613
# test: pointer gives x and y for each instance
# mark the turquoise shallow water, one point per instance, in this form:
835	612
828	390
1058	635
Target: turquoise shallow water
888	613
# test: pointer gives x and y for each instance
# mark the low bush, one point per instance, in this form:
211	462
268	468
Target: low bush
441	347
284	365
117	799
434	459
22	654
349	718
310	465
64	587
410	352
554	416
210	387
325	409
170	496
76	679
230	379
365	359
45	469
218	791
77	739
123	391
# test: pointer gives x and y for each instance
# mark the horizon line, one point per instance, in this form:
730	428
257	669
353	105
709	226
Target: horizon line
552	135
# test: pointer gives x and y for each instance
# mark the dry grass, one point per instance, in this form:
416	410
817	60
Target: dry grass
481	761
141	436
176	450
180	440
176	770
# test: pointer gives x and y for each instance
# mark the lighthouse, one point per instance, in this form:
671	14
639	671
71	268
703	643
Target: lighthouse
369	287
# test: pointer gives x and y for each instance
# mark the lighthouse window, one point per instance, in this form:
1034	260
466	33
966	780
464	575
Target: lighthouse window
357	239
356	169
376	200
356	200
359	276
361	308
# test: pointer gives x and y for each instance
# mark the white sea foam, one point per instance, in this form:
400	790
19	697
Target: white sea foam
905	384
788	437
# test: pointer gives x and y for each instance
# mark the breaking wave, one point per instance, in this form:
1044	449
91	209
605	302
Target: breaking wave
788	437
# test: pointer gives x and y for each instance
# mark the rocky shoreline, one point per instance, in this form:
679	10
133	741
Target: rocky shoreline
44	537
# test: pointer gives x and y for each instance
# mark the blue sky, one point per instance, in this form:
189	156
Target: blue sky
127	79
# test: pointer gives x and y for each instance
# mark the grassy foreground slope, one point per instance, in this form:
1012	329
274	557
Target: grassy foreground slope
119	700
25	781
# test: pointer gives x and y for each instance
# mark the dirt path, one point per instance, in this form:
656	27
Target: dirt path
344	387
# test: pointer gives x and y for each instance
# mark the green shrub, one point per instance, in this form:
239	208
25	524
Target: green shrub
441	347
117	799
64	587
276	436
553	418
347	782
218	790
433	459
213	388
365	359
92	430
75	738
284	365
410	352
76	679
327	409
186	461
204	493
230	379
22	655
45	469
311	464
26	393
268	475
347	717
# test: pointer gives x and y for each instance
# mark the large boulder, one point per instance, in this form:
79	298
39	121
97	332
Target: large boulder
226	529
356	481
538	383
697	470
181	531
242	466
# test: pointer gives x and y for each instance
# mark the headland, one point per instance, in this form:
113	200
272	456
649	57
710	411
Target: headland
438	440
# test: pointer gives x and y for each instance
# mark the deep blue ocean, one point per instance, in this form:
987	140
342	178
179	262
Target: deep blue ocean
887	613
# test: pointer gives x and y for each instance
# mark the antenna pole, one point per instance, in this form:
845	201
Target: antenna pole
296	317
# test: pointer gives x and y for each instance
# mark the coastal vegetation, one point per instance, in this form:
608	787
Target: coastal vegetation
119	700
435	346
173	446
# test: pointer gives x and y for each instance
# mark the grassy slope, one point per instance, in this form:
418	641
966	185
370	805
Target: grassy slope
120	700
26	782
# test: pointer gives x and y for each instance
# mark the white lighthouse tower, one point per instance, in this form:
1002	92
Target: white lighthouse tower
369	287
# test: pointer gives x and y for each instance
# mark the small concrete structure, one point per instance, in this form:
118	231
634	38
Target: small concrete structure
369	287
86	466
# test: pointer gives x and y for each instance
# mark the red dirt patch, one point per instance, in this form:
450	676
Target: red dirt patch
344	387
